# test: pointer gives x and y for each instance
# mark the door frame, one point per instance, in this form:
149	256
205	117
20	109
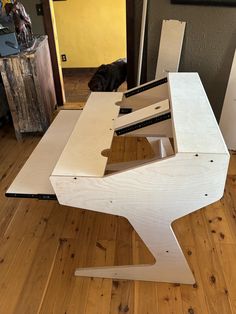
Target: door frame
130	44
48	16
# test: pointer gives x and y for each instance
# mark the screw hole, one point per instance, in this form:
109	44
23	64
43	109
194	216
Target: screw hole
212	160
196	155
206	194
167	251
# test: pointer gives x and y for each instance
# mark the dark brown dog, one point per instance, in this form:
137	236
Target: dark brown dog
109	77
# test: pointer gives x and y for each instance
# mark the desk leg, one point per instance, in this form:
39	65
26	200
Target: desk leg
170	265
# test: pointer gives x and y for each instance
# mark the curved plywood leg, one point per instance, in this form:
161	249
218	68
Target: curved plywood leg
170	265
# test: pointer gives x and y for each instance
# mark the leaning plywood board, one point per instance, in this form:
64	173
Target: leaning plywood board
141	42
82	156
33	179
172	35
228	115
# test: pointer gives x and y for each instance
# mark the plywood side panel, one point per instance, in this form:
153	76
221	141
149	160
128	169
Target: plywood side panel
228	115
151	197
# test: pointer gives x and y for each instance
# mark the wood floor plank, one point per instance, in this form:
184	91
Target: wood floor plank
130	148
122	297
7	212
108	227
13	155
13	158
145	298
93	251
61	295
169	298
208	260
229	202
227	254
140	252
123	243
73	223
232	164
62	280
43	262
144	149
37	279
88	237
8	250
99	296
32	216
116	153
183	231
218	223
13	280
79	296
193	296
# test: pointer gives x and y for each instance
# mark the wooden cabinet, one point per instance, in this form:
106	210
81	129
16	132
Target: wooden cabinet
3	102
29	87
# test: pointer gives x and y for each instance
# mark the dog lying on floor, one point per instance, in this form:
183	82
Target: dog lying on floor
109	77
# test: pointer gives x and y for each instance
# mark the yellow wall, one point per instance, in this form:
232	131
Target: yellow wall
91	32
5	1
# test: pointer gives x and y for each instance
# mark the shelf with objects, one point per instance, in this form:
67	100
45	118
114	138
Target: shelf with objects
24	64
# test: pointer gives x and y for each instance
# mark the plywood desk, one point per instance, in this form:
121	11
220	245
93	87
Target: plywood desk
151	194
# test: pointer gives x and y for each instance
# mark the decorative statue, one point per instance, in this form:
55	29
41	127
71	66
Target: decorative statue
22	22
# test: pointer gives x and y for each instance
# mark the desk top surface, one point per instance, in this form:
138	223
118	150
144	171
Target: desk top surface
92	135
195	128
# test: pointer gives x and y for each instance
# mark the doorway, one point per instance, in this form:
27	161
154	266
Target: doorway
86	35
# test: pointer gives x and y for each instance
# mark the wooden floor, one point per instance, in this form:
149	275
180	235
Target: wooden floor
41	244
76	84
